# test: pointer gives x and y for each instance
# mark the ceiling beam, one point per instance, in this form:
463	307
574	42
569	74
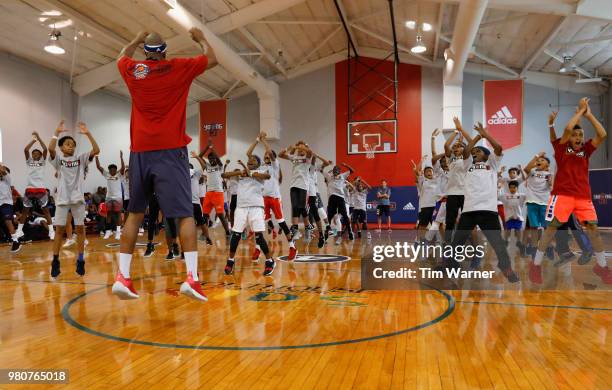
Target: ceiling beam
297	22
497	22
583	41
547	40
389	42
487	59
438	31
559	59
319	45
271	59
549	7
345	22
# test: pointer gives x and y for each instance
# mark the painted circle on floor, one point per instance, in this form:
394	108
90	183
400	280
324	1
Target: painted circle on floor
316	258
232	294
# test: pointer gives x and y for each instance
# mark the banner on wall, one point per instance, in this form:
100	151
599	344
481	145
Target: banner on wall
213	124
503	111
601	191
404	205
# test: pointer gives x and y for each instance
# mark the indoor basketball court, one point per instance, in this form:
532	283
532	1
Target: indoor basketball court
305	194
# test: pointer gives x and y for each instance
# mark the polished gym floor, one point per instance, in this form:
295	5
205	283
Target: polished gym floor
309	325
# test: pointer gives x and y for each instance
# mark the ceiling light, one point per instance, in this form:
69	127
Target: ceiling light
568	64
53	45
51	13
411	24
61	24
427	27
42	19
419	47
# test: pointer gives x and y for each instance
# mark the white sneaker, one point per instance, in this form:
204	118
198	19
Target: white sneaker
69	242
86	242
118	235
141	231
107	234
18	234
51	235
339	240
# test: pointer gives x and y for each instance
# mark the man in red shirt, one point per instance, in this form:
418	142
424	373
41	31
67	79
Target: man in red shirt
158	159
571	193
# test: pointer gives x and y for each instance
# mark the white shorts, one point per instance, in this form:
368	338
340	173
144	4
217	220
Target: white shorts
38	221
252	217
322	213
78	214
441	215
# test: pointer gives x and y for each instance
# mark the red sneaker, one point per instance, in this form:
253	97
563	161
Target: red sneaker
604	273
123	288
274	234
292	253
256	254
535	273
192	289
250	235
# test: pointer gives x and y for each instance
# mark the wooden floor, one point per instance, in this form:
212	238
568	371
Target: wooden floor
308	326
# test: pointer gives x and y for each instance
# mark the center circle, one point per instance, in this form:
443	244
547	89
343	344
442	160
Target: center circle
272	301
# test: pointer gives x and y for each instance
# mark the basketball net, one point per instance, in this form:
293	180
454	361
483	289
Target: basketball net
370	151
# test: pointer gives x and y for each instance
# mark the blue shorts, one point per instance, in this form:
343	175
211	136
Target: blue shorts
514	224
165	173
536	215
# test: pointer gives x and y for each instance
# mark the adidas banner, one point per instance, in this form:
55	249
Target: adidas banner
404	206
503	111
601	190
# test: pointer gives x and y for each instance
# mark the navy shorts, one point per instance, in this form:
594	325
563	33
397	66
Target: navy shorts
165	173
6	211
514	224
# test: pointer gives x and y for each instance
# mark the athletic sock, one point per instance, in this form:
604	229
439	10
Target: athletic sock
539	256
19	228
291	244
55	257
191	260
125	260
601	259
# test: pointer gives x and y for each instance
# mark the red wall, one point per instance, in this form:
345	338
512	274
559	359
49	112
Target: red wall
395	167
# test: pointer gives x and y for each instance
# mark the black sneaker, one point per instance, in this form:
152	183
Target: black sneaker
183	255
585	257
150	250
269	267
170	255
550	253
175	250
55	268
358	234
565	258
327	231
511	275
350	236
321	241
80	267
15	247
229	267
208	241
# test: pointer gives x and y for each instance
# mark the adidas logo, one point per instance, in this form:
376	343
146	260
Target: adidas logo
502	117
409	206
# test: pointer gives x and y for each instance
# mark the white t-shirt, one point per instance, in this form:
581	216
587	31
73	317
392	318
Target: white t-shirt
195	175
272	186
214	181
538	186
456	173
506	180
70	177
113	186
429	191
232	185
359	199
313	179
202	189
442	177
480	184
36	173
125	185
250	191
336	184
299	172
6	193
513	205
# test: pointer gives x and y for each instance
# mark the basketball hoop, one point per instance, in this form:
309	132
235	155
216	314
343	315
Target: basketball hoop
370	151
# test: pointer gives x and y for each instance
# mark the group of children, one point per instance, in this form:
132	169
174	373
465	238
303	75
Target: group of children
464	188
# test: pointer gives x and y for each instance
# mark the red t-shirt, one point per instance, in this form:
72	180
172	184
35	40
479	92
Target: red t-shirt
572	176
159	92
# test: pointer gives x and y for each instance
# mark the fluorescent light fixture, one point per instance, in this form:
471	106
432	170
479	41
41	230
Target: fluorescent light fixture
171	3
53	45
591	80
427	27
419	47
61	24
411	24
51	13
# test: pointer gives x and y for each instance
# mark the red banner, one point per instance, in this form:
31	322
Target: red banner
213	124
503	110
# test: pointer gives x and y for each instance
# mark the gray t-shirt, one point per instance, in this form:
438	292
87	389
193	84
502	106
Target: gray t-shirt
359	199
36	173
125	186
6	194
113	186
538	186
336	184
384	191
214	181
272	186
300	171
195	174
250	191
70	177
312	176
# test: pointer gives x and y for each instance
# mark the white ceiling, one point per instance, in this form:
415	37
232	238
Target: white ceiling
309	35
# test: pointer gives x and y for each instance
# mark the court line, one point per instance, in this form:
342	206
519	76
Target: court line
68	318
538	305
53	281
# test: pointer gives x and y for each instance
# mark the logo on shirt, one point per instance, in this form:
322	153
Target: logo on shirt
479	165
409	207
70	163
502	117
36	164
571	150
141	71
